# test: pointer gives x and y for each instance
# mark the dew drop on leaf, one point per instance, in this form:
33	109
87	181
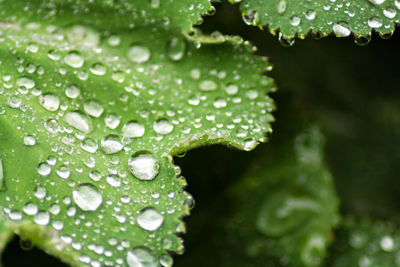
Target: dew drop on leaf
78	121
87	197
98	69
42	218
141	257
163	126
138	53
93	108
72	91
208	85
74	59
150	219
111	144
111	121
49	101
143	165
133	129
176	48
44	169
30	208
341	30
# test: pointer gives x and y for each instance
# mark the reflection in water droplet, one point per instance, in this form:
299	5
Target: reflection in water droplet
49	101
74	59
144	165
133	129
141	257
150	219
87	197
176	48
78	121
163	126
111	144
138	54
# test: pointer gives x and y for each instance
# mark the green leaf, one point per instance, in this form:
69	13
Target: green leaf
110	14
363	242
280	213
322	17
90	120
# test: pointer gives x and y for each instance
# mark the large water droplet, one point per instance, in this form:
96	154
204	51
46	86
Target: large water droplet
93	108
74	59
111	144
49	101
133	129
144	165
377	2
72	91
375	22
29	140
44	169
138	53
30	208
163	126
98	69
87	197
78	121
111	121
176	48
42	218
141	257
150	219
341	29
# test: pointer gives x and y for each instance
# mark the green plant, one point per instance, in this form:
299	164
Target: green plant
97	97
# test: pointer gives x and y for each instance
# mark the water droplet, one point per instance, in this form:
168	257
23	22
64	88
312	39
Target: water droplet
78	121
40	192
74	59
141	257
176	48
82	35
98	69
25	81
72	91
114	40
341	29
310	14
166	260
195	74
295	21
63	172
231	89
111	144
376	2
387	243
375	22
2	182
286	40
118	76
208	85
29	140
144	166
87	197
89	145
93	108
251	18
42	218
32	47
150	219
362	40
220	102
49	101
138	53
30	208
44	169
133	129
112	121
282	5
163	126
389	13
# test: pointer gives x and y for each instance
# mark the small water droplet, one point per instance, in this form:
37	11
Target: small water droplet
78	121
133	129
389	13
163	126
74	59
144	166
63	172
251	18
98	69
375	22
89	145
112	121
25	81
111	144
42	218
295	21
376	2
150	219
72	91
44	169
30	208
141	257
93	108
29	140
176	48
82	35
49	101
138	53
87	197
282	6
341	29
310	14
387	243
220	102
